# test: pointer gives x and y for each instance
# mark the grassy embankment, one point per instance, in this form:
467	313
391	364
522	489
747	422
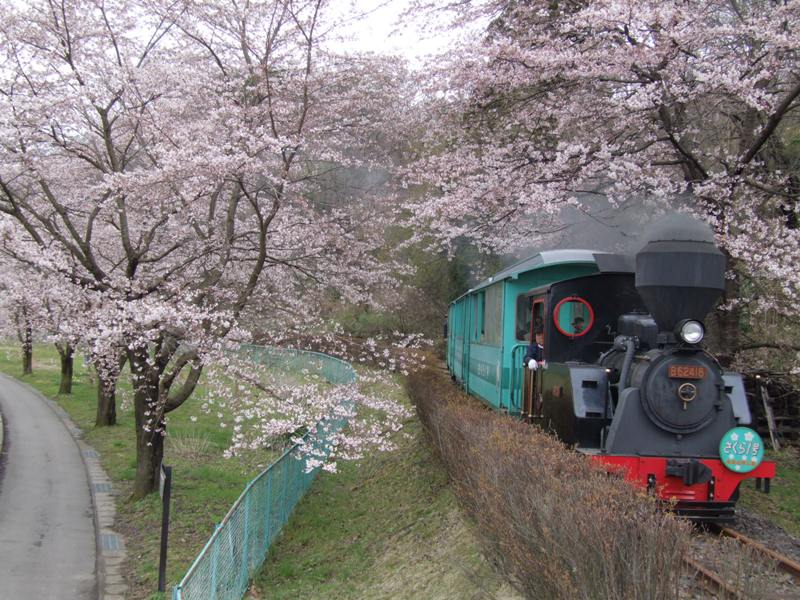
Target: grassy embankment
782	504
385	528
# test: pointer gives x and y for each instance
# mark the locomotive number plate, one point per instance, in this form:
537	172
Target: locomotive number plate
686	372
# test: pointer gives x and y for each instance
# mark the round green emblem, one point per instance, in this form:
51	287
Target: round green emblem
741	449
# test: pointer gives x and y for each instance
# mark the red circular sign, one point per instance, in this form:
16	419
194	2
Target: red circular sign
573	316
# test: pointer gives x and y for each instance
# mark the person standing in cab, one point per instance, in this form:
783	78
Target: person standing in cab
534	358
578	325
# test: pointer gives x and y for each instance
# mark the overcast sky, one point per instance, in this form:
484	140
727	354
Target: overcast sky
383	28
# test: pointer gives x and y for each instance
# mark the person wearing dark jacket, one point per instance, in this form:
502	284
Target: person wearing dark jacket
535	355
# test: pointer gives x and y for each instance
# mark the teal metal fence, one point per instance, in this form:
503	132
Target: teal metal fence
240	542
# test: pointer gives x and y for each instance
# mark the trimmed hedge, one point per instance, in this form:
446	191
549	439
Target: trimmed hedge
554	523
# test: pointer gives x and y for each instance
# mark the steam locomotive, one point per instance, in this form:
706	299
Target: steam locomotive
624	377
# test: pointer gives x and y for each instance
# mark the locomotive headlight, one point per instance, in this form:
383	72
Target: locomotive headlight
691	332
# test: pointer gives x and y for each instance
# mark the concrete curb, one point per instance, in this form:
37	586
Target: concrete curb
2	448
110	546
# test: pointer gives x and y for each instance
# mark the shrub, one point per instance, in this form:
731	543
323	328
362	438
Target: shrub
188	447
555	524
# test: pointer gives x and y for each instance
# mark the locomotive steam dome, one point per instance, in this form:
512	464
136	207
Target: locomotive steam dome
680	272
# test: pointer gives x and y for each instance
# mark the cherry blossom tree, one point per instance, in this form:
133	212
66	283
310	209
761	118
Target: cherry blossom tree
164	158
17	321
57	318
24	327
313	416
80	320
62	313
630	101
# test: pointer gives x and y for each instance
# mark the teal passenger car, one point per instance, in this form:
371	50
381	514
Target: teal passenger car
489	327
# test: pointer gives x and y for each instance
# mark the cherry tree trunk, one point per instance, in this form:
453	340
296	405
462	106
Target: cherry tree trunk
728	322
106	400
27	351
149	453
149	427
67	355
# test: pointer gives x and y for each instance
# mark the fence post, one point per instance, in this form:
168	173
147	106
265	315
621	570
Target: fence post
245	572
214	561
295	483
284	492
268	527
165	490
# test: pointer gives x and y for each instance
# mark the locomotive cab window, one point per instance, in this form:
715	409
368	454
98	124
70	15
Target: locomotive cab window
573	317
523	326
530	316
538	317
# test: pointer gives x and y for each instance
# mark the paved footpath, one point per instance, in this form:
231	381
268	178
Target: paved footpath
47	529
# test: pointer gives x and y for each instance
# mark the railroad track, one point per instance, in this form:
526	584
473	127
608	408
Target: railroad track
783	563
713	582
716	584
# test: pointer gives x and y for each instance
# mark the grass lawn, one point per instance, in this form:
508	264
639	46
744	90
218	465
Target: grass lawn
782	504
386	527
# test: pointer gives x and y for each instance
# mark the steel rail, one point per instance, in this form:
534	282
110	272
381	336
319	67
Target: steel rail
784	563
713	582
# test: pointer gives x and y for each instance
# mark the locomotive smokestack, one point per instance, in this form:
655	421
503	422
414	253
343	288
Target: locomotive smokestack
680	272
